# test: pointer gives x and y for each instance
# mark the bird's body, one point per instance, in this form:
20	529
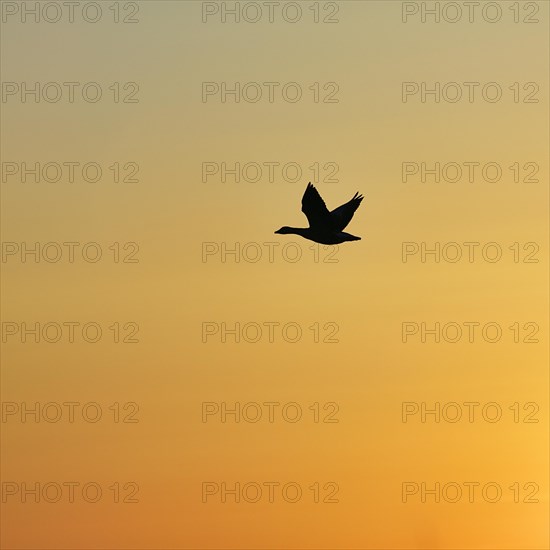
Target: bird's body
318	236
324	227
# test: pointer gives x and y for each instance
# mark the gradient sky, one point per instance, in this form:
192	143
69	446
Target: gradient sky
368	292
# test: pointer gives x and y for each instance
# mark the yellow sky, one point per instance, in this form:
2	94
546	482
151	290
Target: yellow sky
358	295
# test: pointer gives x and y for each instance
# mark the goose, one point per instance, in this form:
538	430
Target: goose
324	227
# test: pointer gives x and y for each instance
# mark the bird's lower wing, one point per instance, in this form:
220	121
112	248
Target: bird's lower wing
342	215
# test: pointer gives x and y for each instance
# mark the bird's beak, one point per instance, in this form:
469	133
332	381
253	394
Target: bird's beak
278	231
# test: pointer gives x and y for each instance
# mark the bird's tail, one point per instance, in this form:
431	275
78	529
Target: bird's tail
351	237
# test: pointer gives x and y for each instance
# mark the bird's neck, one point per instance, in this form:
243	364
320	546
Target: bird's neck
302	231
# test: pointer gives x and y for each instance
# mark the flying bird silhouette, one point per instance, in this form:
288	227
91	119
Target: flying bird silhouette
324	227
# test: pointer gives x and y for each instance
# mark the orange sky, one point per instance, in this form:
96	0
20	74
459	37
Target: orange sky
168	279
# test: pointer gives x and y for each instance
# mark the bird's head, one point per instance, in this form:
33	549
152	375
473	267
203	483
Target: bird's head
285	230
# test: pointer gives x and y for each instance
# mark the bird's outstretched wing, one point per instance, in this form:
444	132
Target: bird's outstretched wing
342	215
315	209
